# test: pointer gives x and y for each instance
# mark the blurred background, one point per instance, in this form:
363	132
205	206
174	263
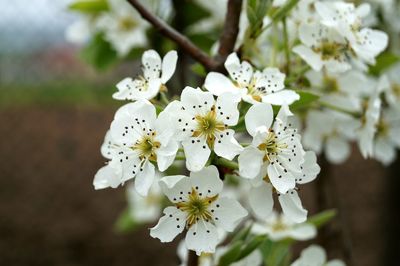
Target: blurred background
54	112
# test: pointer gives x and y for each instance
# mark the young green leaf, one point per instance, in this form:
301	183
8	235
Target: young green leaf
306	98
99	53
125	222
322	218
89	6
383	61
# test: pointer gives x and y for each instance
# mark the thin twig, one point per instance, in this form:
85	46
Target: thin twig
193	259
231	29
227	40
207	61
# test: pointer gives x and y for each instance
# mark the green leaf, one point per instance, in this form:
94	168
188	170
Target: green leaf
242	234
125	222
99	53
277	253
322	218
383	61
199	69
306	98
231	254
283	11
256	11
251	246
89	6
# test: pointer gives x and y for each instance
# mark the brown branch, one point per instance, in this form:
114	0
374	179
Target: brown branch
207	61
227	40
231	29
193	259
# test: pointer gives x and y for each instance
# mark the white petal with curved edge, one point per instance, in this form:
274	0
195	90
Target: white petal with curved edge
166	155
106	177
141	108
337	149
250	161
384	151
309	169
313	59
176	186
197	153
281	180
217	83
124	87
261	200
144	178
239	72
259	115
202	237
108	147
207	181
281	97
168	66
274	79
151	63
196	101
226	145
312	256
227	213
292	207
303	232
226	108
170	225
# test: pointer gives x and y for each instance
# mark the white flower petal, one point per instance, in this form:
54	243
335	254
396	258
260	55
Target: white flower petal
227	213
312	59
250	161
337	149
108	147
292	207
259	115
144	178
166	155
207	181
196	101
176	186
151	63
239	72
202	237
226	108
106	177
216	83
312	256
309	169
303	232
197	153
168	66
281	180
281	97
226	145
170	225
261	200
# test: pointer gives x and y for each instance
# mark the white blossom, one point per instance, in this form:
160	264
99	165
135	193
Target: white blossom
198	208
334	137
322	46
156	73
315	256
275	161
366	43
253	86
279	227
139	139
122	27
203	125
145	209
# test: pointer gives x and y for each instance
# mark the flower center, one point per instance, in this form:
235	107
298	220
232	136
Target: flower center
196	207
382	128
330	84
254	91
330	50
396	89
271	146
208	126
147	147
127	23
278	226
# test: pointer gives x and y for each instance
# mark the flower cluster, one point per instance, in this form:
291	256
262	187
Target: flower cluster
250	135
